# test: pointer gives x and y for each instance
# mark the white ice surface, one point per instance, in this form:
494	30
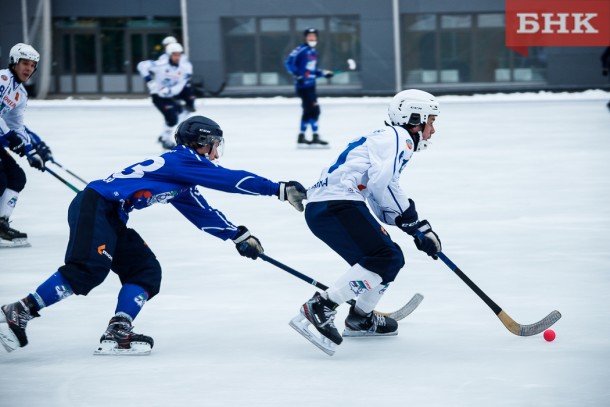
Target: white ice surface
517	187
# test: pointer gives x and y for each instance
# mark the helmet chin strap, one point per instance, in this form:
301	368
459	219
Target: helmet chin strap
420	144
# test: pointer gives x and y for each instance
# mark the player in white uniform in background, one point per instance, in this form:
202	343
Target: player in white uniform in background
368	170
23	60
168	80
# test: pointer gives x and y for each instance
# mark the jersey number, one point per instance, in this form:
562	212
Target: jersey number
138	170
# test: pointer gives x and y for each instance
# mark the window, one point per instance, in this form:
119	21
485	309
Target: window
464	48
255	48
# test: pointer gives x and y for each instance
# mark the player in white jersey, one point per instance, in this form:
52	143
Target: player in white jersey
368	170
23	60
168	80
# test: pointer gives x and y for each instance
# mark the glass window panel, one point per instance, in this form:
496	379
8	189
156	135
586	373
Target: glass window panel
315	22
66	65
239	26
137	51
113	51
343	25
275	25
274	49
531	68
492	58
455	53
456	21
421	22
240	54
490	20
84	49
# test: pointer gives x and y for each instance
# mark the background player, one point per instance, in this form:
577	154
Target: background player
168	80
302	64
23	60
368	169
100	240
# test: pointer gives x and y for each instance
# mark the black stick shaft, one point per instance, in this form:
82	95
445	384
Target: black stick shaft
69	172
72	187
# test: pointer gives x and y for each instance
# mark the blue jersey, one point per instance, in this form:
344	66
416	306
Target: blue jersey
173	178
303	62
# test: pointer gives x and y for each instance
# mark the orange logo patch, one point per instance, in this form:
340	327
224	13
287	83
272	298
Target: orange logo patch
384	231
17	97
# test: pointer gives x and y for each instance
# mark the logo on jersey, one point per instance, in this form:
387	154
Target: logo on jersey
409	145
17	97
102	250
359	286
4	78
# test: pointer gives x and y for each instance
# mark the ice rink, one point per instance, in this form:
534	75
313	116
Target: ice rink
517	187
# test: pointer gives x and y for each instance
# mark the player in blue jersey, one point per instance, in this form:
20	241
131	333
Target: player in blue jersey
100	240
302	64
368	170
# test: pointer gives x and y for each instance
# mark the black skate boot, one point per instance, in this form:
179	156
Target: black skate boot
371	324
166	143
10	237
302	141
319	312
119	339
13	320
318	142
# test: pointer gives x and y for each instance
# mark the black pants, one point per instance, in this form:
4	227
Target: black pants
12	175
170	108
309	103
100	242
349	229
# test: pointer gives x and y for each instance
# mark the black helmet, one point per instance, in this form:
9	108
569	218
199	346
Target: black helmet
310	30
198	130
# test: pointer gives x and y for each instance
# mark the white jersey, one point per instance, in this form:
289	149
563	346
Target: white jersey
169	79
13	101
369	170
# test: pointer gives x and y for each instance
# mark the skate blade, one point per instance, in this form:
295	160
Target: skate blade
301	324
21	242
348	333
302	146
110	348
7	338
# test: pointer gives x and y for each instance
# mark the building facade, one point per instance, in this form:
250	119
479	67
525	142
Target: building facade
240	46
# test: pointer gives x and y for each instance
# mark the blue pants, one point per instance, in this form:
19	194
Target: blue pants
349	229
100	242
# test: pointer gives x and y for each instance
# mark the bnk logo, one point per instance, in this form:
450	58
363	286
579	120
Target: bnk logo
102	250
557	23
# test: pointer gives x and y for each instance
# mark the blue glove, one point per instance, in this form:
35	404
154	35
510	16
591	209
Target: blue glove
294	193
246	244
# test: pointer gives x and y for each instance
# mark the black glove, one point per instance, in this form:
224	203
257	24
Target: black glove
299	79
408	222
246	244
293	192
16	143
43	151
328	74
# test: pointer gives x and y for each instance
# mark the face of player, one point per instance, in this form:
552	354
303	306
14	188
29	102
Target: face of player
311	39
429	129
211	151
24	69
175	57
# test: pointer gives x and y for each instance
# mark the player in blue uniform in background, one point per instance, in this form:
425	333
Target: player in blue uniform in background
100	240
302	64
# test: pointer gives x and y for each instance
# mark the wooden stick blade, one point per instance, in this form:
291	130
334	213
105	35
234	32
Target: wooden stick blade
532	329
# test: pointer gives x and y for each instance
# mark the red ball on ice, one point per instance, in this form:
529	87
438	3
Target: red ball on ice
549	335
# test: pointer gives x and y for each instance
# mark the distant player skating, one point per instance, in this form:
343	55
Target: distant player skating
23	61
100	240
169	81
302	64
368	169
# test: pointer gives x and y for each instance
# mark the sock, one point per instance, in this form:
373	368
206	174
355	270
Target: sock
356	281
131	300
367	301
314	125
303	126
8	200
53	290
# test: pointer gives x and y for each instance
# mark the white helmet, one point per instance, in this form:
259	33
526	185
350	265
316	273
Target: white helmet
169	40
174	47
413	107
22	51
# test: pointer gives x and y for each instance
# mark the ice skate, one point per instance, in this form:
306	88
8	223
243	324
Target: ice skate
372	324
10	237
13	321
302	142
166	139
317	142
120	340
319	312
